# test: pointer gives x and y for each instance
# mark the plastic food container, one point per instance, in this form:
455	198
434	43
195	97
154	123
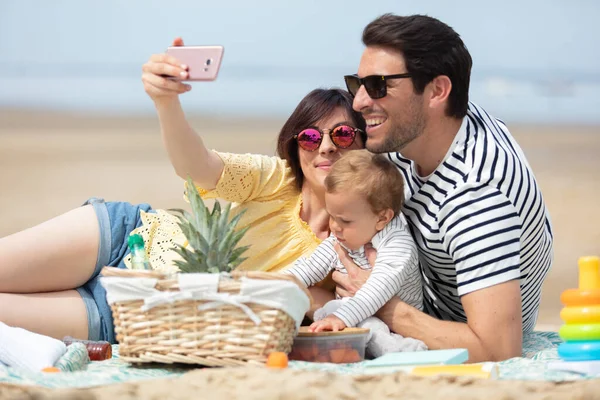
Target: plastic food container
347	346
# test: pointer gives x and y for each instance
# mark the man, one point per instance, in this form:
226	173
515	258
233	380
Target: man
472	202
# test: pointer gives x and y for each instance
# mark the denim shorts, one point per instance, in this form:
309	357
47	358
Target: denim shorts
116	221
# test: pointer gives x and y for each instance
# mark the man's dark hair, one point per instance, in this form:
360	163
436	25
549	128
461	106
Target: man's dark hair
430	49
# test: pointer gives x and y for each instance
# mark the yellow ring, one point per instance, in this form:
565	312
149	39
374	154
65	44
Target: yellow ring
581	315
576	297
580	332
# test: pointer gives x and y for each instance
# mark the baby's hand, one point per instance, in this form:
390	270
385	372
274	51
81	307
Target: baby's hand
329	323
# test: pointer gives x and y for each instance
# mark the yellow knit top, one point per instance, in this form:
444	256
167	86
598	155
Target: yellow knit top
263	186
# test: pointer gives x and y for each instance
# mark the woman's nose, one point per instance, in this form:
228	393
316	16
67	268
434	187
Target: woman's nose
327	145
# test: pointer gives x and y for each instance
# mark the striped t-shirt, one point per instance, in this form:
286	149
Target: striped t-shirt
478	220
395	273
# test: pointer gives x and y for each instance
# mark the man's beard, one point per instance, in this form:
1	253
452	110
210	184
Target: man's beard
402	134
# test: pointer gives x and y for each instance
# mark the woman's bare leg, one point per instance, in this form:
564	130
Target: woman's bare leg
57	255
56	314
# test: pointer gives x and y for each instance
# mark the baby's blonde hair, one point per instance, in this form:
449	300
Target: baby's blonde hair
370	175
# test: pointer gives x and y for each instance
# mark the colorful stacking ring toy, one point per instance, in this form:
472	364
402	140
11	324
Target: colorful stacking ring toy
581	315
580	297
581	331
579	351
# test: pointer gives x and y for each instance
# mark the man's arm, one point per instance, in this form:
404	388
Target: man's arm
493	331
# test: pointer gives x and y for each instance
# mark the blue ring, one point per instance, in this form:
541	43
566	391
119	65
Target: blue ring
579	351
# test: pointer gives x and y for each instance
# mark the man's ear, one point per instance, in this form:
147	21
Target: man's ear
438	92
383	218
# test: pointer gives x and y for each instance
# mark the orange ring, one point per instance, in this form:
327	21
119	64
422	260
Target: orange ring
577	297
581	315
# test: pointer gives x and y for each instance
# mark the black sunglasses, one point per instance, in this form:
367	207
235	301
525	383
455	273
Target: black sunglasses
375	85
342	136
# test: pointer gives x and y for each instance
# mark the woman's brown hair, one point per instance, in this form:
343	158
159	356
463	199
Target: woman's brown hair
315	106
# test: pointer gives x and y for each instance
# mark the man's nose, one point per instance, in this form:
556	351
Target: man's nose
362	99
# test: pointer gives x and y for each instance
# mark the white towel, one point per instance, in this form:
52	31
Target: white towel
20	348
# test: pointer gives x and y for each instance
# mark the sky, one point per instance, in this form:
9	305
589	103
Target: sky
534	60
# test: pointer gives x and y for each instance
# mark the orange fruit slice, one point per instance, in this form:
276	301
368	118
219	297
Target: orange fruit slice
277	359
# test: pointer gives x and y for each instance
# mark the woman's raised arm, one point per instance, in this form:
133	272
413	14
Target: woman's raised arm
187	152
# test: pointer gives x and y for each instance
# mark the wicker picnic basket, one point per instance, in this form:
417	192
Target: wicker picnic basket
178	332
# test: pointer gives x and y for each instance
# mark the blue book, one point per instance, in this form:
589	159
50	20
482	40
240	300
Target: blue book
407	359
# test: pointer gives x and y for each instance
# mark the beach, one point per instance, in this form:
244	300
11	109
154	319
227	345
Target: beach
249	384
52	162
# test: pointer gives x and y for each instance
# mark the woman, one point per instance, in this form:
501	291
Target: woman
49	273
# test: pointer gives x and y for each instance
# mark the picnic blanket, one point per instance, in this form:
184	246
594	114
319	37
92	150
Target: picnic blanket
538	349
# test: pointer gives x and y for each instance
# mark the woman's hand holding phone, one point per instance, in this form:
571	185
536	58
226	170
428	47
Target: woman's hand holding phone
163	73
162	76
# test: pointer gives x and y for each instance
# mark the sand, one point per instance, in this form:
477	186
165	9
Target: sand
50	163
249	384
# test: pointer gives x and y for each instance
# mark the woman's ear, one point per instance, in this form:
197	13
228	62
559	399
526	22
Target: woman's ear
383	218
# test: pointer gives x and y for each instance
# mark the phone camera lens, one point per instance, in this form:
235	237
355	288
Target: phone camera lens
209	61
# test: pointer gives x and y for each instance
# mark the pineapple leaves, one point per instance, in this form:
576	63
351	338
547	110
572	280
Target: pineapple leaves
212	236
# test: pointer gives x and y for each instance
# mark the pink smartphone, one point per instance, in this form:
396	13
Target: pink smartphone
203	61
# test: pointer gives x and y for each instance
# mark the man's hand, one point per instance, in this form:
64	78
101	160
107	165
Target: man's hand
329	323
348	284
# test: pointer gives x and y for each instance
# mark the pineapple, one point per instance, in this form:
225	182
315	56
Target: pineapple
211	235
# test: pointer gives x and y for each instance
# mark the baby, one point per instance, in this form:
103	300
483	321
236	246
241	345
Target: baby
364	194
